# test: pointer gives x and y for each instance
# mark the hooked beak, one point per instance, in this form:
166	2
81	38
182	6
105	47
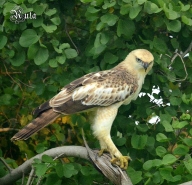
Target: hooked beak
145	66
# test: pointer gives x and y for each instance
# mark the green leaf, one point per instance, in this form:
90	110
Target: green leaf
125	9
187	141
52	178
169	159
120	141
185	116
28	37
134	11
159	44
140	2
178	125
40	169
32	50
70	53
32	1
188	165
175	43
3	40
185	7
53	63
186	20
151	8
109	19
85	170
160	151
47	159
51	12
40	148
175	100
126	28
135	176
181	150
61	59
69	170
49	28
142	127
161	137
39	89
167	125
148	165
166	174
56	20
139	141
110	58
174	25
41	56
5	99
91	9
152	163
172	15
18	59
59	169
39	8
64	46
101	39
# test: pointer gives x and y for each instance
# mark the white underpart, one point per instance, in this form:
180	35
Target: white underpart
101	127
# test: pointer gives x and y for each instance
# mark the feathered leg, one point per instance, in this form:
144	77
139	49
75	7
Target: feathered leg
102	123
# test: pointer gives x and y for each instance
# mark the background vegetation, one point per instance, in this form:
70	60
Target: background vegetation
71	38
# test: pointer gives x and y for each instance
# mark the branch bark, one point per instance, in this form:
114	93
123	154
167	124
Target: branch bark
73	151
187	183
25	168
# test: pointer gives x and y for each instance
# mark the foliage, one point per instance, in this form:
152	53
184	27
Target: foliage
71	38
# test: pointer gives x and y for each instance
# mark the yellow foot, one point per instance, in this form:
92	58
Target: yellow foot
122	161
102	151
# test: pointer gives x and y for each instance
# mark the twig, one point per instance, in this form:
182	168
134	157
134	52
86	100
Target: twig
7	129
173	59
7	166
23	178
70	38
187	50
31	177
25	83
12	77
9	73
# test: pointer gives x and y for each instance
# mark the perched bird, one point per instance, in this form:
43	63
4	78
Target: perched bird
102	92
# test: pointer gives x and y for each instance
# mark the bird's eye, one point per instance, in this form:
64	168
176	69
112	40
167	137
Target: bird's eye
139	60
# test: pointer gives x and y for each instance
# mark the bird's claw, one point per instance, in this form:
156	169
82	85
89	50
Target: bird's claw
121	161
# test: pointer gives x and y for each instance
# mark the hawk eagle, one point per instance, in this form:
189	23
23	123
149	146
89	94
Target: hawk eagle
102	92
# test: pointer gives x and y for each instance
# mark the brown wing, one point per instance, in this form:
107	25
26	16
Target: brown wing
98	89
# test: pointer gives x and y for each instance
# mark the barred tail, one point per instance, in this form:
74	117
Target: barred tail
37	124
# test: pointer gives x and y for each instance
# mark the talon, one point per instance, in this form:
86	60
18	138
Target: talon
122	161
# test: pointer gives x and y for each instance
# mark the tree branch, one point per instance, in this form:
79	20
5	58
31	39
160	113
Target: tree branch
74	151
187	183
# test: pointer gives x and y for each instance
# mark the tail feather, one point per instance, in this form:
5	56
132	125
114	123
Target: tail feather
37	124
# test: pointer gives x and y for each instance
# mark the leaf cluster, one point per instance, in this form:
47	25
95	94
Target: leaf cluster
68	39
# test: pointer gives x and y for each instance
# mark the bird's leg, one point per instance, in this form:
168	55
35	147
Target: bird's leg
102	123
103	147
117	157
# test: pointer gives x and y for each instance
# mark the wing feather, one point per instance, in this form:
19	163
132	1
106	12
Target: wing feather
97	89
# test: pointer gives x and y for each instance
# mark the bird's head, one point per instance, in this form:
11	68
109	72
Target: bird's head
140	59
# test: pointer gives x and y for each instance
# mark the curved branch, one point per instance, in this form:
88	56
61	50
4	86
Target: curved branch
75	151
